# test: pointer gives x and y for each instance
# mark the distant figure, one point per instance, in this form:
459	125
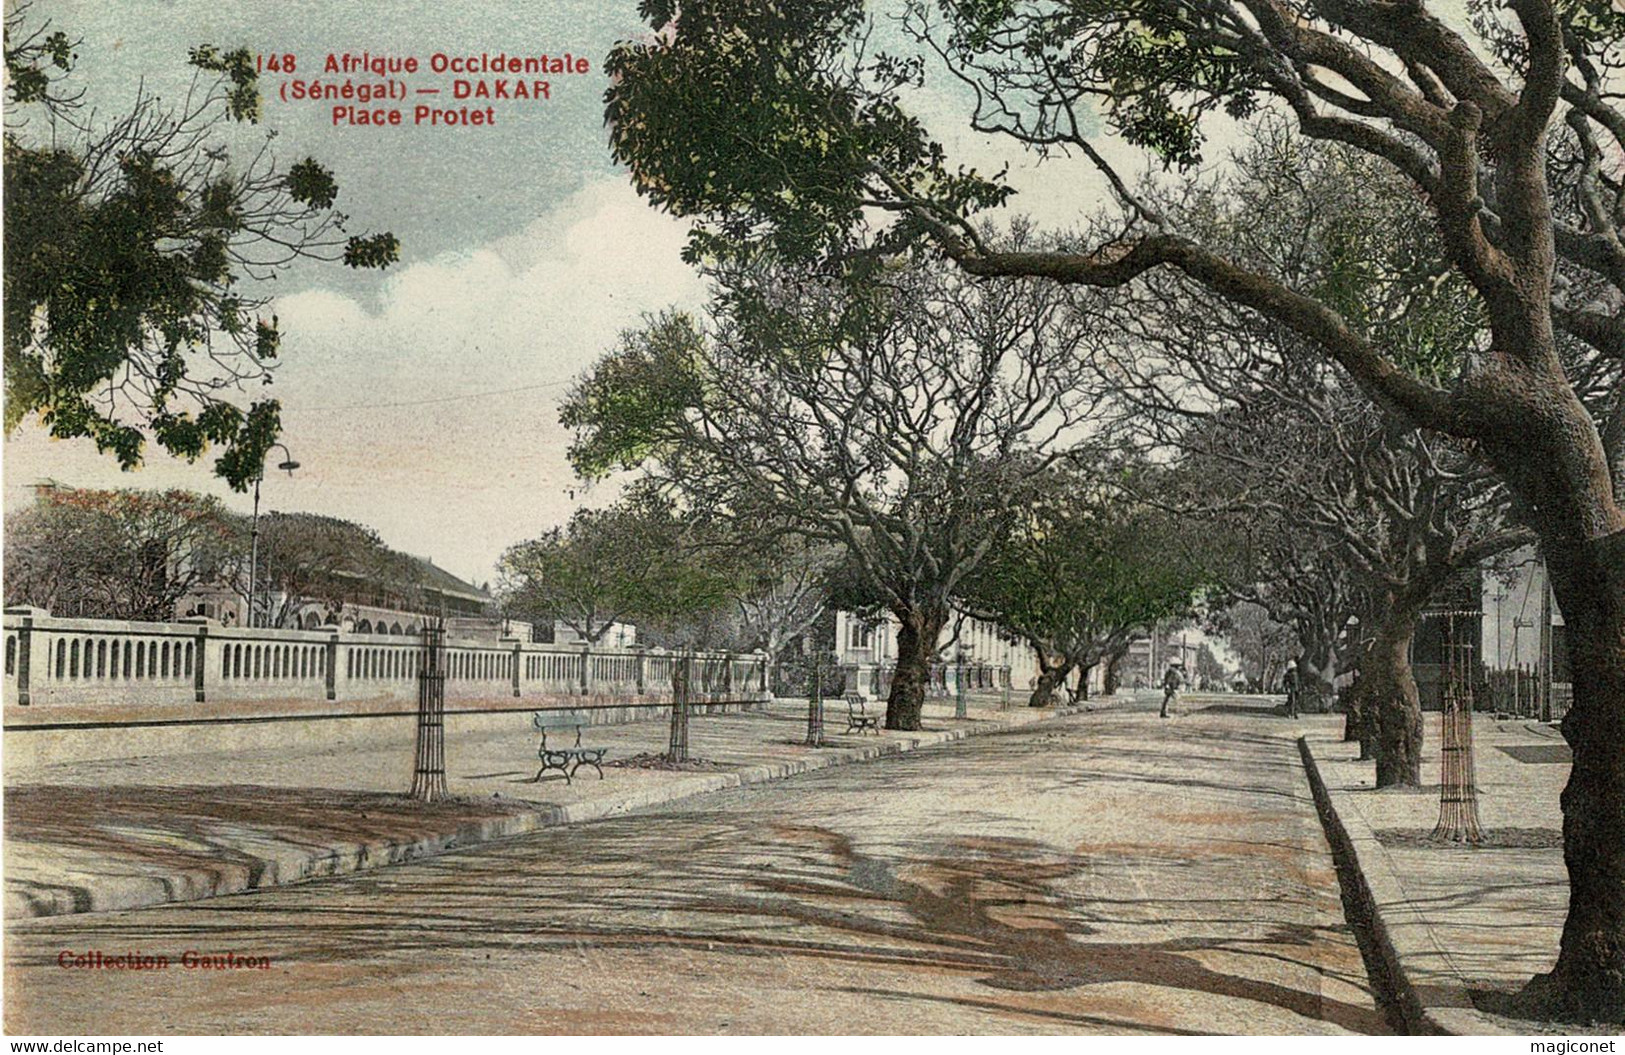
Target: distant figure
1170	686
1289	682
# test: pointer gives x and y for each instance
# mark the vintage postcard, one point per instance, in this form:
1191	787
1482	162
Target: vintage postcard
827	518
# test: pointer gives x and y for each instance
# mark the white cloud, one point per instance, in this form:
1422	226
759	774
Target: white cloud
460	478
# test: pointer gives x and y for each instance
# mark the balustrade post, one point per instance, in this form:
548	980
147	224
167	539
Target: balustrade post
637	667
25	651
332	663
586	669
199	686
516	661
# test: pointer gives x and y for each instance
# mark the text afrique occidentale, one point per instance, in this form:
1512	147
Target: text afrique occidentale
351	85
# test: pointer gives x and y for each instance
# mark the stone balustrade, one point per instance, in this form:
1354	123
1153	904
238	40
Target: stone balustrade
51	661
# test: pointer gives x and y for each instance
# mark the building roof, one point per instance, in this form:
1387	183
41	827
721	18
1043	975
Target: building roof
439	579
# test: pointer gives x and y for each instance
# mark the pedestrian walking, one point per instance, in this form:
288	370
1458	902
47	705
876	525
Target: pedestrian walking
1289	681
1171	682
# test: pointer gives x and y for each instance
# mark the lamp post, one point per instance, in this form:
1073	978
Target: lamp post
288	465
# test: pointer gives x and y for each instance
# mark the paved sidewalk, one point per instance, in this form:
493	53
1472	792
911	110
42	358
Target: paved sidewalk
128	833
1462	921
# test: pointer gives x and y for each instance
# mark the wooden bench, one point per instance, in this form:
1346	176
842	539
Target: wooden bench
857	716
566	759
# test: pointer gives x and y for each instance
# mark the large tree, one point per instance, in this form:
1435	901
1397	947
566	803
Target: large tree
306	559
123	554
906	424
133	252
768	121
783	590
638	560
1083	572
1261	643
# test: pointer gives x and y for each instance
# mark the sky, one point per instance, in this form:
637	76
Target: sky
422	401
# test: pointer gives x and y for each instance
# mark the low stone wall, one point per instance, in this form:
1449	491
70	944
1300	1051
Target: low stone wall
32	746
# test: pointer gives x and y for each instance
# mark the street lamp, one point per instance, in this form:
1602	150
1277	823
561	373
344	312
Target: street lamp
288	465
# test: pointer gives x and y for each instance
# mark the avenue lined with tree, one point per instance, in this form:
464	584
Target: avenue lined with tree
1295	398
777	129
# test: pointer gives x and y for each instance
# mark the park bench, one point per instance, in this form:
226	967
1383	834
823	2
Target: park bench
566	759
857	717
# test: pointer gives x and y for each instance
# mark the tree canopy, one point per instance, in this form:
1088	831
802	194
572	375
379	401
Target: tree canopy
636	561
907	424
123	554
1086	569
1506	126
133	249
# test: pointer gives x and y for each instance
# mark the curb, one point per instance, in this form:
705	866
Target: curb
1433	1009
279	865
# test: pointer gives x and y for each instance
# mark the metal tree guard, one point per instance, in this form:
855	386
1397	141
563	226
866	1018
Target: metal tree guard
1458	790
815	707
677	750
429	768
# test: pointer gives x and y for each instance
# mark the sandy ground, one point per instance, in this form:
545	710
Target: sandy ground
1108	873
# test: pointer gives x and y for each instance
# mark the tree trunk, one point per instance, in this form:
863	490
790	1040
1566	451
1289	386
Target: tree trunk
1535	431
1113	676
1083	683
1361	725
1317	675
1357	716
1392	696
917	634
1588	982
1352	711
1050	677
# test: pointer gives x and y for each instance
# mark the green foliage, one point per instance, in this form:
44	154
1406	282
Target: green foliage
308	182
243	93
771	123
1087	568
34	64
637	561
126	255
628	409
760	117
372	251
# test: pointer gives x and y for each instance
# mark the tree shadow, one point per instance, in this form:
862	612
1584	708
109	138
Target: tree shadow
1010	913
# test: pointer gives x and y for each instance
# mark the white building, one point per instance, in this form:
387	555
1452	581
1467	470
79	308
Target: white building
869	649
